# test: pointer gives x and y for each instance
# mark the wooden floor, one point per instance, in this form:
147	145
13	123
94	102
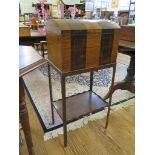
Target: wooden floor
92	139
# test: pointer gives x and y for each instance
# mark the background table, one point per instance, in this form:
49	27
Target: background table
126	46
29	60
34	37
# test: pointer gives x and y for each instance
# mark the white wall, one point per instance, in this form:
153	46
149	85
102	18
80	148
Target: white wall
26	6
122	4
107	5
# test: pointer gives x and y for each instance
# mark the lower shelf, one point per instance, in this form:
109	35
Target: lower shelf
80	105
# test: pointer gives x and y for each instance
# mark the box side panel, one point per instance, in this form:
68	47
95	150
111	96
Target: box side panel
107	38
115	45
78	49
54	49
93	48
66	50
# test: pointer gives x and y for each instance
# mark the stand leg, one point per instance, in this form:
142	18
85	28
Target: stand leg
63	90
91	80
109	104
24	118
50	89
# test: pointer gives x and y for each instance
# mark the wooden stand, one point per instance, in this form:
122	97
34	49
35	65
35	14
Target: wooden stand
76	106
80	46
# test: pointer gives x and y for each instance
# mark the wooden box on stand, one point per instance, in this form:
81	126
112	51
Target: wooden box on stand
78	44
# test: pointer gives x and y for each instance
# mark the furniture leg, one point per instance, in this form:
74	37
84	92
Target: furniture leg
42	50
50	90
91	80
128	83
63	91
110	96
131	71
24	118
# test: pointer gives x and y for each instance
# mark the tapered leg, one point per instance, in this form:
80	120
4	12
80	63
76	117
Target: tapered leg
50	89
110	96
91	80
24	118
63	90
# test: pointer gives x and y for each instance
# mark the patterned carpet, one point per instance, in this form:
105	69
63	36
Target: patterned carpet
36	84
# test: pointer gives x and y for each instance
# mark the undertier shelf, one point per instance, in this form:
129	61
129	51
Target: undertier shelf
80	105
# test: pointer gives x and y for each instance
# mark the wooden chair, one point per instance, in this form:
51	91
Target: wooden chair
37	46
43	45
33	23
24	31
41	48
107	14
123	20
21	18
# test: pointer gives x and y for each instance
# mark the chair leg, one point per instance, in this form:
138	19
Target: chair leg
50	90
110	97
42	49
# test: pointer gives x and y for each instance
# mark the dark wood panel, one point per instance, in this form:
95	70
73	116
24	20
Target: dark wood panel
78	49
107	38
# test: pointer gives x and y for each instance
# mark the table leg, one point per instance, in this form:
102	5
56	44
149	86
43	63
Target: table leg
129	82
63	91
24	118
50	89
110	96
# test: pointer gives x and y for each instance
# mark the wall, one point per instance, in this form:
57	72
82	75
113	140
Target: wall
26	6
122	4
107	5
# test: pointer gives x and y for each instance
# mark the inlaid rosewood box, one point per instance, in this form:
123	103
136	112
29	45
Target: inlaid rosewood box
79	44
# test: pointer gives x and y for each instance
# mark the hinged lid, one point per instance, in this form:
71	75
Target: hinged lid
59	25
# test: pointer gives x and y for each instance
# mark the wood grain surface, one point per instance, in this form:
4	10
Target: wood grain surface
29	59
81	43
89	140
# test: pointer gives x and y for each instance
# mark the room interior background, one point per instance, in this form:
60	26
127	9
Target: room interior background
109	5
